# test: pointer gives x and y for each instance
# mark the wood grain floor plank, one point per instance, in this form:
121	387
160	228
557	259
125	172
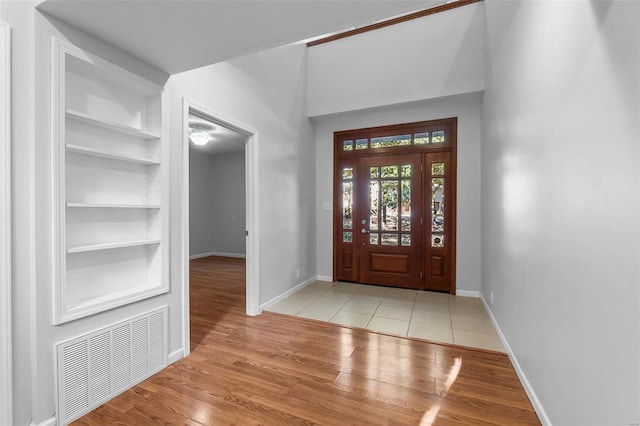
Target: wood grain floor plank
280	370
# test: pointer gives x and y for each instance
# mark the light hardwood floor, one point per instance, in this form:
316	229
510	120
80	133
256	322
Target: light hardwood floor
280	370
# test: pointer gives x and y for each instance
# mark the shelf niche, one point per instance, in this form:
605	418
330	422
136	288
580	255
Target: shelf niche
108	178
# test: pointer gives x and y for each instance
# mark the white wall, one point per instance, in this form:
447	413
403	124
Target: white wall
266	92
560	201
430	57
468	110
34	336
216	203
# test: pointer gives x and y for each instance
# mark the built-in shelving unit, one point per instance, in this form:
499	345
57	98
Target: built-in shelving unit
110	217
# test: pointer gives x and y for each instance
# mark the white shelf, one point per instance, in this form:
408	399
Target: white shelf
113	206
103	154
109	125
108	246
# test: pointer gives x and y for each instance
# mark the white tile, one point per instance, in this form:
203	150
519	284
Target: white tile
431	307
346	287
323	285
363	298
431	318
397	302
359	308
430	296
372	290
316	313
392	312
328	303
477	339
337	296
474	324
401	293
350	319
386	325
431	332
304	298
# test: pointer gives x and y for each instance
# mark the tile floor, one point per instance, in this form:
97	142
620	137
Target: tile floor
425	315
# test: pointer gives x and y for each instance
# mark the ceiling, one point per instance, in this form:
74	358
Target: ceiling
221	139
179	35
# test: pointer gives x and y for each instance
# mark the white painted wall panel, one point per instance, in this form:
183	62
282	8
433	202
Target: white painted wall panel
560	201
430	57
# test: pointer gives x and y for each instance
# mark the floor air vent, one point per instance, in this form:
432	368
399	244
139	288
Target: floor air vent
96	367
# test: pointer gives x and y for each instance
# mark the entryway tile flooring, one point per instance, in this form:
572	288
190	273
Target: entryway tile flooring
425	315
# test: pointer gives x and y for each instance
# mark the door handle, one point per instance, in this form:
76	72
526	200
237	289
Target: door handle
365	231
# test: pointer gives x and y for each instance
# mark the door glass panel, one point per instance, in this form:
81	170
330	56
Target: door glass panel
405	240
406	170
373	172
347	237
421	138
347	205
388	141
374	204
389	205
437	169
437	136
437	205
389	171
405	214
347	173
389	239
362	143
373	238
347	146
437	240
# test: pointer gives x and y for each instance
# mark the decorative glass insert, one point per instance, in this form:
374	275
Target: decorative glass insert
374	203
373	238
389	171
389	196
437	136
406	170
421	138
389	239
389	141
437	205
347	145
405	240
405	212
347	205
437	240
362	143
437	169
347	173
373	172
347	237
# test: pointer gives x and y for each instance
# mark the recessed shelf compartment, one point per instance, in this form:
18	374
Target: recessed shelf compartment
110	125
103	154
109	183
108	246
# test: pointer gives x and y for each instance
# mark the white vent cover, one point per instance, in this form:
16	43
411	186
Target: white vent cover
98	366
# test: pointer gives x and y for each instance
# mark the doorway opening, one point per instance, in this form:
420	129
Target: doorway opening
395	192
220	220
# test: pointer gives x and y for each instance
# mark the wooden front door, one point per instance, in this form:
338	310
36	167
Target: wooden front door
394	192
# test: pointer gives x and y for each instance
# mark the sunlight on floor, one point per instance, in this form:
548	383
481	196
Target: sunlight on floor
430	416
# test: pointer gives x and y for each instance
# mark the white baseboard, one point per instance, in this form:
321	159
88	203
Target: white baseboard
49	422
175	356
324	278
468	293
217	253
287	293
537	405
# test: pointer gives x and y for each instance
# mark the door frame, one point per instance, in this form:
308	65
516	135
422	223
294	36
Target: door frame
251	212
341	155
6	348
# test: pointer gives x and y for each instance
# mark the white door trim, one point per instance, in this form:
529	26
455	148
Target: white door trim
252	208
6	379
